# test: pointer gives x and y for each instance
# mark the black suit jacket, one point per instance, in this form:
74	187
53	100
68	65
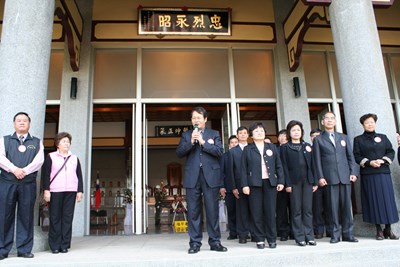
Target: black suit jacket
334	163
235	167
206	155
291	167
223	163
372	146
251	165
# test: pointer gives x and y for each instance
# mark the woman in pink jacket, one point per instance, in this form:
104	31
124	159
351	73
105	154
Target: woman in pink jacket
63	185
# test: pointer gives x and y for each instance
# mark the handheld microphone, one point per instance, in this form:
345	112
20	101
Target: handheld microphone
196	129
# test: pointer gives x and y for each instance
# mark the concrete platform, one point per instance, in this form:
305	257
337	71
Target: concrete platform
171	250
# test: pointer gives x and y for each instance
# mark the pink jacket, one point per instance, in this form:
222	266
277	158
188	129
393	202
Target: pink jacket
67	179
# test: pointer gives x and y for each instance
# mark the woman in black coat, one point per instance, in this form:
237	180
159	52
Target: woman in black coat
300	182
374	153
261	178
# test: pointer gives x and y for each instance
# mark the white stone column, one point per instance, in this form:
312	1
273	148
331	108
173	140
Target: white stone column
24	69
289	107
361	72
24	61
76	115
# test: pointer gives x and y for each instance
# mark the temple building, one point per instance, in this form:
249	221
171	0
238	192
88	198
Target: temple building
122	77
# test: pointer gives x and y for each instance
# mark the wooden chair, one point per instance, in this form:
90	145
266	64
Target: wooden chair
101	214
174	178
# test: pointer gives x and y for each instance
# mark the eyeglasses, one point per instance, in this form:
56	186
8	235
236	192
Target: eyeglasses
329	118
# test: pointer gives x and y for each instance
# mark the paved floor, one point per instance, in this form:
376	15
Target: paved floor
171	250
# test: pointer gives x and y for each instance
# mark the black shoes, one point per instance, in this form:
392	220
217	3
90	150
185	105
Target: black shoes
219	248
334	241
311	243
26	255
63	250
284	238
261	245
351	239
2	257
379	235
193	249
389	234
319	236
242	240
232	237
301	243
272	245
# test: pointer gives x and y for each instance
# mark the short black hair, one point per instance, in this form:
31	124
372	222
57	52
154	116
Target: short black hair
313	131
255	126
232	137
290	125
241	128
367	116
21	113
200	110
283	131
328	112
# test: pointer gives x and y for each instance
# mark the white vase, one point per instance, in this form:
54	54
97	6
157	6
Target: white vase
128	215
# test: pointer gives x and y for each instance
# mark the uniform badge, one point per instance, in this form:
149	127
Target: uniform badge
308	148
22	148
377	139
210	141
343	143
269	152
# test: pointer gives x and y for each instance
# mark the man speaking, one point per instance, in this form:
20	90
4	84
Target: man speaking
202	147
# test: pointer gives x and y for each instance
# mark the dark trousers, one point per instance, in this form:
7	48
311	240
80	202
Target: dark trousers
282	213
210	196
21	196
340	199
321	215
301	211
262	202
230	202
242	216
61	211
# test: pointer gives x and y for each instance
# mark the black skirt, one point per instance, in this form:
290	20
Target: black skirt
377	199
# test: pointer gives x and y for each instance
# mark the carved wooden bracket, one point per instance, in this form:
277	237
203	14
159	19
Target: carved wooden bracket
296	26
73	42
299	20
68	15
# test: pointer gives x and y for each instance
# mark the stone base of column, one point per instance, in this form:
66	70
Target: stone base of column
362	229
40	241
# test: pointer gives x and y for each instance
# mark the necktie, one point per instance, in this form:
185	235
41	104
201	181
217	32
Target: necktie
21	139
332	137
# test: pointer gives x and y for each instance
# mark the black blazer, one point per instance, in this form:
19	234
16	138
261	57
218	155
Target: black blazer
206	155
223	163
251	166
372	146
334	163
291	167
235	169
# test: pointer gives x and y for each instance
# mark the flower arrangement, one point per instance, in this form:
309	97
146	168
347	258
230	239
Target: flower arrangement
128	195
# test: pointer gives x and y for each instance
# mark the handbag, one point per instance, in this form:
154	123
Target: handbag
43	202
